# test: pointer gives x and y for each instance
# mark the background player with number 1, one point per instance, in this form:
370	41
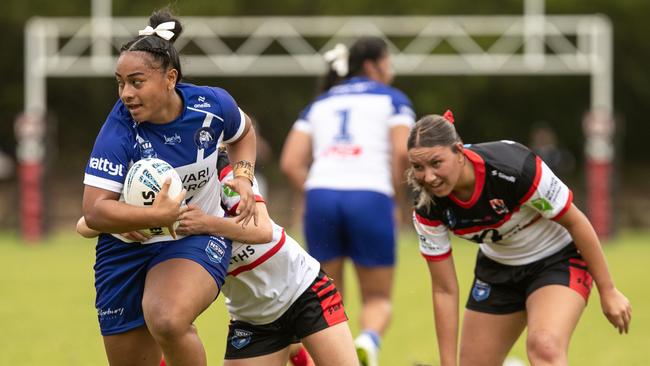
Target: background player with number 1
347	152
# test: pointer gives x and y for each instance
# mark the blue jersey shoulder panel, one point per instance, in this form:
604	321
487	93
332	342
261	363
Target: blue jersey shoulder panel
114	146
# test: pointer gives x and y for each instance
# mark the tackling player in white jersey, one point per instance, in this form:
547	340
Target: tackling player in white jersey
347	152
537	251
275	292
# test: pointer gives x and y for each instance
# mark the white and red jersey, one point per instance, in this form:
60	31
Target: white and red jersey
511	213
263	280
350	127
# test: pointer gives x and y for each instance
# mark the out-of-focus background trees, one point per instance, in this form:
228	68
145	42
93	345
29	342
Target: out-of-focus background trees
486	108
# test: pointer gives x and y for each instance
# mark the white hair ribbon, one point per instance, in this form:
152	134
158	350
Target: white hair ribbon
337	57
163	30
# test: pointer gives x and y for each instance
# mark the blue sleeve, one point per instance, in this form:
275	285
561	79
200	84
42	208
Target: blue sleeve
111	154
401	103
232	118
303	114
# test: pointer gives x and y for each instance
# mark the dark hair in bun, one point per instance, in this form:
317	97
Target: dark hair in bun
160	49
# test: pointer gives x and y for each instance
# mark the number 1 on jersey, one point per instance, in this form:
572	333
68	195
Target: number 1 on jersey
343	135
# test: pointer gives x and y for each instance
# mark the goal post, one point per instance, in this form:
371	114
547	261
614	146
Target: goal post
533	44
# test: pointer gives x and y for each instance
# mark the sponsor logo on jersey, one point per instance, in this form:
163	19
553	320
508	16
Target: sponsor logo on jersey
541	204
499	206
229	192
343	150
428	246
172	140
241	338
487	236
481	290
554	189
107	166
205	137
216	249
194	181
509	178
242	255
202	103
450	218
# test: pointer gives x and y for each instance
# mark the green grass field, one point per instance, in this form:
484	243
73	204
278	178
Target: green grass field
47	315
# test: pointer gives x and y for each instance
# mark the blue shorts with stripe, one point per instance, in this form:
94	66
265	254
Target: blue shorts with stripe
121	269
356	224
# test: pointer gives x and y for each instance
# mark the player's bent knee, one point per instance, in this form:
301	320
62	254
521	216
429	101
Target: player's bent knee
165	323
545	346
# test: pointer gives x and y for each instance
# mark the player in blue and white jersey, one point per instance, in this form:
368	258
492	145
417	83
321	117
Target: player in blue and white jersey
275	292
347	152
538	253
149	295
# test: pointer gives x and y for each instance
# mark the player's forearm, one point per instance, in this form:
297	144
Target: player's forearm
250	234
587	242
399	158
445	306
84	230
111	216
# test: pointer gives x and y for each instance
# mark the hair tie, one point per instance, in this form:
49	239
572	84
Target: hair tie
449	116
162	30
338	59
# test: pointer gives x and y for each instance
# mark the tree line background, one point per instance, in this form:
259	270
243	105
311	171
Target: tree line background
486	108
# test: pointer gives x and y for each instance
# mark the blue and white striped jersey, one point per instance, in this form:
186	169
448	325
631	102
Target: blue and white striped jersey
189	143
350	130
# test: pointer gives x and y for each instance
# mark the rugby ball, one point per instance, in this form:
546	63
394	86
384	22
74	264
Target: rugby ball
145	179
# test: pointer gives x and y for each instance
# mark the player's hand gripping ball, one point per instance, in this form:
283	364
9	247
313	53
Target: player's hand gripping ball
144	180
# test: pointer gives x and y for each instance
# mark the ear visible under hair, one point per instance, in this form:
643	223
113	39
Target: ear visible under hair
422	197
173	72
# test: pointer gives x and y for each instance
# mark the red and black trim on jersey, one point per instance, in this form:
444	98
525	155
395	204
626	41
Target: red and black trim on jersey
507	175
263	258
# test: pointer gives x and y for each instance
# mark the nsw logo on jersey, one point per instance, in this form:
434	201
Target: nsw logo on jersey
146	149
107	166
241	338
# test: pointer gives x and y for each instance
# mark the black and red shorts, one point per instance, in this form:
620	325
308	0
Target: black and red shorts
318	308
503	289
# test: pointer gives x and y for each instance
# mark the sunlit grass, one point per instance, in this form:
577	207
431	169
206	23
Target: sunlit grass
47	314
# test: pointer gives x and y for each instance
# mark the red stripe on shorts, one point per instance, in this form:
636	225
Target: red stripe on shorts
325	290
333	310
320	283
580	279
